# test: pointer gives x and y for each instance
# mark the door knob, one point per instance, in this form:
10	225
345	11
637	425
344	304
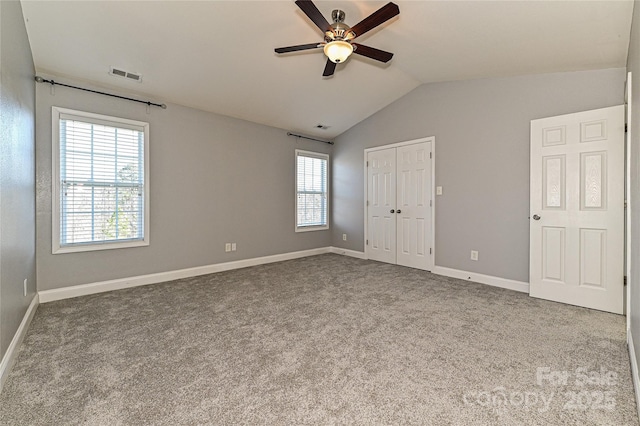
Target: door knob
536	217
399	211
393	211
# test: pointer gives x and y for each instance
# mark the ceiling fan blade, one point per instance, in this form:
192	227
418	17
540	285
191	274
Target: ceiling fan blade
372	52
314	14
378	17
329	68
298	47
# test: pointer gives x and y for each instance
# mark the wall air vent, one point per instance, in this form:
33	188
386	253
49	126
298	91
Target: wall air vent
126	74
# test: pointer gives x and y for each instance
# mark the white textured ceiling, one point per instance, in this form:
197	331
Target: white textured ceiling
218	55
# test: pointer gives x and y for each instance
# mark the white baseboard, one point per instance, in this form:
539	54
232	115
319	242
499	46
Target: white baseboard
634	370
483	279
122	283
12	351
119	284
347	252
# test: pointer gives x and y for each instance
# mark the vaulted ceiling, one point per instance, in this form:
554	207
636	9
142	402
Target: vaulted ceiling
218	55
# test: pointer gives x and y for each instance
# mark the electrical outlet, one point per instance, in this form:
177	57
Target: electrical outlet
227	247
438	190
233	246
24	287
344	237
474	254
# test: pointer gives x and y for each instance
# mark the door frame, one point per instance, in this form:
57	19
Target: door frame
431	139
627	199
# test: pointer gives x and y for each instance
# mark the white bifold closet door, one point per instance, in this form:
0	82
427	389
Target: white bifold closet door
399	205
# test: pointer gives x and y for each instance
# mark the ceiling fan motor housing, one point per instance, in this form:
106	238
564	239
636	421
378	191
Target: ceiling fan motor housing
339	30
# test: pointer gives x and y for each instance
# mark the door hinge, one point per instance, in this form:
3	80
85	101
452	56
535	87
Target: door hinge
367	242
430	251
367	202
431	155
624	280
430	203
367	164
625	127
625	204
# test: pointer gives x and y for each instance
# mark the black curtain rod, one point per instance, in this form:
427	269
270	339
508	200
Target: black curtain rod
53	83
307	137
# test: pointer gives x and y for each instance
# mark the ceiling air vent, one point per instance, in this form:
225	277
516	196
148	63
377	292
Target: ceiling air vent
126	74
322	126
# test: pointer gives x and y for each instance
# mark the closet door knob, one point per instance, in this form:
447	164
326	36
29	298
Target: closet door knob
399	211
393	211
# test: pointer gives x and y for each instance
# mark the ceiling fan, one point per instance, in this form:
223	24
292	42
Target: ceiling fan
338	37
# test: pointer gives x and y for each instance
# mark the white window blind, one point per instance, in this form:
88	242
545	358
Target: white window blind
102	182
311	190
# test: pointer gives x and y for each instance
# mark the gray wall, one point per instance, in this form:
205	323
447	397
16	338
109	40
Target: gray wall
633	65
17	171
213	179
482	160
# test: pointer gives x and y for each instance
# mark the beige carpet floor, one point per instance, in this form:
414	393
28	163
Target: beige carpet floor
321	340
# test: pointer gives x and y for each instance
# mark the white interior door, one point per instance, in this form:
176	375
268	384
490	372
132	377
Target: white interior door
413	205
399	211
381	197
577	209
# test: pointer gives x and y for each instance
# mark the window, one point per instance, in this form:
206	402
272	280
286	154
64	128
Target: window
311	191
100	182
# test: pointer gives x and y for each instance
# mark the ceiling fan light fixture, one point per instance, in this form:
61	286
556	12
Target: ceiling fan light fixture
338	51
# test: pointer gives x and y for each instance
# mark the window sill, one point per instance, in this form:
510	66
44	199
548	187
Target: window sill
311	228
101	246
